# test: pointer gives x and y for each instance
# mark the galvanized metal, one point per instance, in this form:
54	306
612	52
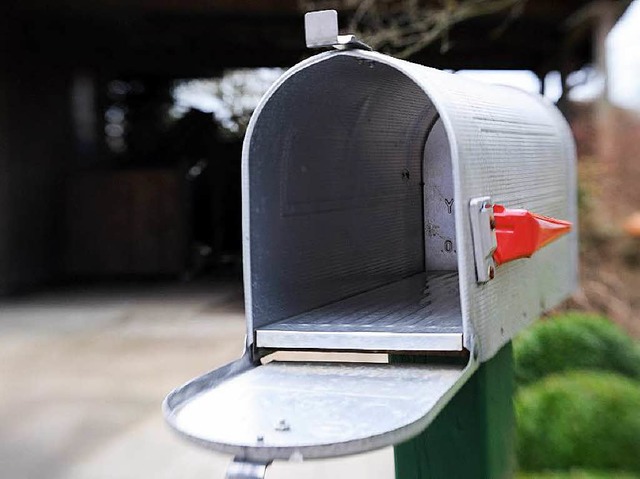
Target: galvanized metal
440	248
296	411
358	173
484	237
420	313
321	31
334	162
321	28
241	469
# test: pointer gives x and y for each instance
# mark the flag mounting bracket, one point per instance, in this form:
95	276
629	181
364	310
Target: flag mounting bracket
504	234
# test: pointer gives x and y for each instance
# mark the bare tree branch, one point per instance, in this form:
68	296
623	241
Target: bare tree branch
404	27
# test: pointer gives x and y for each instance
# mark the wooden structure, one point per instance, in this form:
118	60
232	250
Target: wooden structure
52	132
195	38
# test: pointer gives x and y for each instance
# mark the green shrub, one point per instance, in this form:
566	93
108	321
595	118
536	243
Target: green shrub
577	475
579	419
574	341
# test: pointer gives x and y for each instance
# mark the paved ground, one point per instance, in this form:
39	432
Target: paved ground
83	372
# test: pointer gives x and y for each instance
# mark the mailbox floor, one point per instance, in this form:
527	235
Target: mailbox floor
83	372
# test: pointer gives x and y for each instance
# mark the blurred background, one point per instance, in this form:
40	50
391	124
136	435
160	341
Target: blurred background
121	125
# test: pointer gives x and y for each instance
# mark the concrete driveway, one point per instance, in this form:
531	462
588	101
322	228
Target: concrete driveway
83	372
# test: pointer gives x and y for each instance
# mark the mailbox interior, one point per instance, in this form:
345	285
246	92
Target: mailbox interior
349	221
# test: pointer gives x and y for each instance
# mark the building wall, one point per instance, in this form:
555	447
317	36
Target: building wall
34	149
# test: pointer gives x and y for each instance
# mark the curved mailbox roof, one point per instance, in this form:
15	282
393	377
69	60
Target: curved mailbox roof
505	143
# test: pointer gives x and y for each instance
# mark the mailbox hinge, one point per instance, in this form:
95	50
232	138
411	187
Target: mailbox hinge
321	31
244	469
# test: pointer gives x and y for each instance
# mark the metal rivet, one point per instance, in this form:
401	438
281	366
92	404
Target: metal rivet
282	425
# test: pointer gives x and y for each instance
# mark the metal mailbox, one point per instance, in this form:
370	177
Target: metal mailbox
368	188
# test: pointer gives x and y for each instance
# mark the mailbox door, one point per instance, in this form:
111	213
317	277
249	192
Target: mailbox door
304	410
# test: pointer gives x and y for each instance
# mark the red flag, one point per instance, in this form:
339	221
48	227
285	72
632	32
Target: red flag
520	233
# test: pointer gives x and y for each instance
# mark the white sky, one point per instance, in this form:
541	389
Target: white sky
623	48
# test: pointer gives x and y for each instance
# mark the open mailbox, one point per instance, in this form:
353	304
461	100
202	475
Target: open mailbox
368	184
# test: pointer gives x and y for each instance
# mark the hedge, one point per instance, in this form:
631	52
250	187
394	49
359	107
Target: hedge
583	419
574	341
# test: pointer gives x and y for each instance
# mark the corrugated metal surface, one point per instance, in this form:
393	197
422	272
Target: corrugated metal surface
415	314
330	211
347	202
518	149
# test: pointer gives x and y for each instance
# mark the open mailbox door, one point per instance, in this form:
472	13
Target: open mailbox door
309	410
368	192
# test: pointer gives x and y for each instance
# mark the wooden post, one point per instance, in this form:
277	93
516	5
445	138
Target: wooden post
474	434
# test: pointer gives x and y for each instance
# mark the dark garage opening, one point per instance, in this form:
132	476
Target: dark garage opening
155	191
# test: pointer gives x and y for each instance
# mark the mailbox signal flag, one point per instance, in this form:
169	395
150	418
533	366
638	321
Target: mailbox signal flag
520	233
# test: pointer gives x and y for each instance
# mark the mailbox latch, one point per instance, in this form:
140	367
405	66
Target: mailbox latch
321	31
504	234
